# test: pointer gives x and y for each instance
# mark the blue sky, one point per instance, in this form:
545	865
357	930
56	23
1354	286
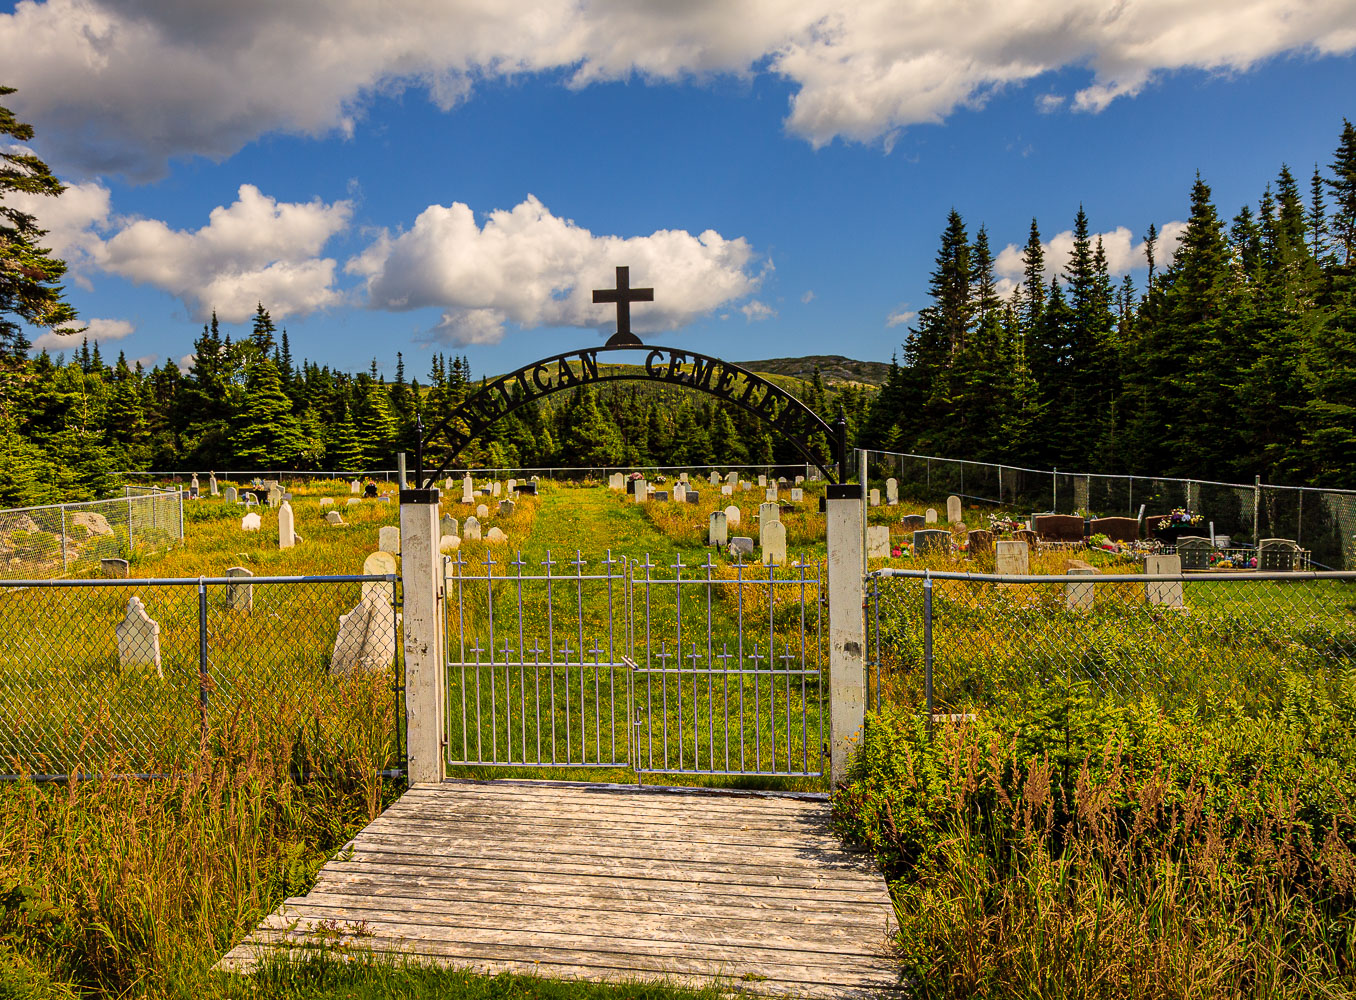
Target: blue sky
453	177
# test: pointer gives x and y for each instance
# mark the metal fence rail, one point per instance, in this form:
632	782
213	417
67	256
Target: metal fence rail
138	676
660	667
954	642
1320	520
53	540
572	474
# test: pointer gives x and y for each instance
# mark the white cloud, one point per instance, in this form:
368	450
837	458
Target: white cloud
1048	104
73	220
756	312
254	250
122	86
528	267
808	297
900	316
1123	253
102	330
186	363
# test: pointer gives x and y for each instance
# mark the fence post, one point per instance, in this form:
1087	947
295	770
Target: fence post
1054	490
1256	511
202	652
63	538
847	626
927	643
421	583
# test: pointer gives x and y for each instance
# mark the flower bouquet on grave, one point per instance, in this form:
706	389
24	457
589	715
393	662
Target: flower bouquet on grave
1000	525
1180	522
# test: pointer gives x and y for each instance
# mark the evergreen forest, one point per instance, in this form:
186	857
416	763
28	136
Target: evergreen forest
1237	359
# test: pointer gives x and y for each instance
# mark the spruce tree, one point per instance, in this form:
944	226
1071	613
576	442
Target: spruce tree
266	433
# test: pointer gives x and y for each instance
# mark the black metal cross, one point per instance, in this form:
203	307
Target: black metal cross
623	295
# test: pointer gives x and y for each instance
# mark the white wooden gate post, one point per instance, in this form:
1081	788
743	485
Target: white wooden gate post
422	582
847	627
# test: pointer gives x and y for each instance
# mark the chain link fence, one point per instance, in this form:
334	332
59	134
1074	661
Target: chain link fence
1320	520
957	642
138	676
60	539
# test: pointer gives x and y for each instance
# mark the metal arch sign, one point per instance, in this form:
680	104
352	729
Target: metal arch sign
687	369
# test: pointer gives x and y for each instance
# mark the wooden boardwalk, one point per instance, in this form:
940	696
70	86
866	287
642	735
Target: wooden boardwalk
590	882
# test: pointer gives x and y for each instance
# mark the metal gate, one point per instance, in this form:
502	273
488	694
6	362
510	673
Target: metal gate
659	668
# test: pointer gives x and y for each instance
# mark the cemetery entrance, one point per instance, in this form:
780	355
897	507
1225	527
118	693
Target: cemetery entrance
644	666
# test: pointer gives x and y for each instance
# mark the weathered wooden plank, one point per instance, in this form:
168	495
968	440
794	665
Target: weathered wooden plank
450	803
576	814
637	953
542	787
807	935
637	798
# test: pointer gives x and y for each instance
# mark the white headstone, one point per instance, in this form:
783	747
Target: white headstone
799	480
1080	596
616	481
470	530
512	486
327	501
193	484
732	478
745	487
355	487
212	484
468	490
287	526
875	498
388	539
741	545
496	489
448	487
250	522
1011	557
495	536
930	515
366	639
332	517
1167	594
449	543
772	540
642	491
892	491
683	478
771	492
953	509
379	563
797	494
781	480
714	479
353	501
239	596
769	512
679	492
138	638
877	541
762	482
718	530
447	525
726	490
732	516
229	495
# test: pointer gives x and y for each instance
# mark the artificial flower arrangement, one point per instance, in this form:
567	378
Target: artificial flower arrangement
1180	517
1000	525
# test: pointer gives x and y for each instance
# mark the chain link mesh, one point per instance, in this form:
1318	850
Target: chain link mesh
138	676
1187	642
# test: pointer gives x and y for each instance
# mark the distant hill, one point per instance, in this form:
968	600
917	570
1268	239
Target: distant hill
833	368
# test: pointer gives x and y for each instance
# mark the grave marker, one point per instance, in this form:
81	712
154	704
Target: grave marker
366	639
115	569
979	542
287	527
891	492
327	501
875	498
931	540
1160	593
930	516
470	531
718	530
229	495
332	517
138	638
769	512
250	522
1195	552
239	596
495	536
355	487
912	522
772	540
482	511
447	525
212	488
1080	596
797	494
732	516
741	545
877	541
1012	558
1277	555
953	508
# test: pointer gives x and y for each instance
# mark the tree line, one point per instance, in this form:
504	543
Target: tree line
1237	358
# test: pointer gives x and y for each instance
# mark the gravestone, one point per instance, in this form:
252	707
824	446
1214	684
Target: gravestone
115	569
239	596
506	508
511	486
641	490
615	481
468	490
1195	552
366	639
745	487
275	495
327	501
378	564
1167	594
732	516
528	489
1058	527
251	500
1012	557
388	539
250	522
229	495
732	478
771	493
471	529
717	532
953	509
1026	535
212	487
930	516
353	501
683	478
891	492
447	486
495	536
355	487
1118	529
772	540
931	540
332	517
496	489
1080	596
193	486
1277	555
447	525
799	480
797	494
449	543
769	512
913	522
878	541
287	526
762	482
661	496
287	497
482	511
875	498
726	490
679	492
693	496
979	542
714	479
741	545
138	638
